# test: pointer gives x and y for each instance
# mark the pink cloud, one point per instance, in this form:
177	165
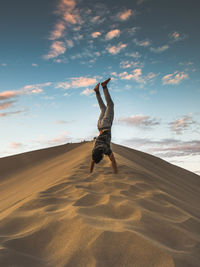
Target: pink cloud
87	91
112	34
6	105
116	49
139	121
176	36
125	14
174	78
57	48
77	82
15	145
142	43
58	31
96	34
159	49
8	94
181	124
6	114
83	82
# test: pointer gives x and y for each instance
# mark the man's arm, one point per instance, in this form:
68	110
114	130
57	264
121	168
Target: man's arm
92	165
114	164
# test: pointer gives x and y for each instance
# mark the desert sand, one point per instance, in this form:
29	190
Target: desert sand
53	212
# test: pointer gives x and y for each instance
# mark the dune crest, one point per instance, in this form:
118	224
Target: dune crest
54	213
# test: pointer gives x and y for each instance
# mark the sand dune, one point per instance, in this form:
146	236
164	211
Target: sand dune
54	213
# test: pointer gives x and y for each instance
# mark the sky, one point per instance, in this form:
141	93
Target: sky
54	52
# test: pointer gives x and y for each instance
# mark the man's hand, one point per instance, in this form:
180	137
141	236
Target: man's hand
92	165
114	164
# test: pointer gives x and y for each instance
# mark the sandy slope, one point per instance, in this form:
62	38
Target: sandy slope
54	213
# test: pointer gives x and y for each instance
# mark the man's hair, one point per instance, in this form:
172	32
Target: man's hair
97	155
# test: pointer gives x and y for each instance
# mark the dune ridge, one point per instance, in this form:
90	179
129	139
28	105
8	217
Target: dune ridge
54	213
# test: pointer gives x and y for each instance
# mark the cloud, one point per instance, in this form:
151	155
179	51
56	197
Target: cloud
176	36
87	91
112	34
139	121
58	31
68	16
125	14
96	34
15	145
159	49
57	48
64	85
6	105
26	90
174	78
125	64
182	124
166	148
8	94
116	49
34	65
134	54
61	138
143	43
6	114
77	82
61	122
3	64
83	82
136	75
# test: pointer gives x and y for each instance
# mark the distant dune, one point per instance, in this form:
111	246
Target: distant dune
54	213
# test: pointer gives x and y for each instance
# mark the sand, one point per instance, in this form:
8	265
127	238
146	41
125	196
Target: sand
53	212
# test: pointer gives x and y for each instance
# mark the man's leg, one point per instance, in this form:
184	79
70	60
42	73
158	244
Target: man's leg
101	105
109	113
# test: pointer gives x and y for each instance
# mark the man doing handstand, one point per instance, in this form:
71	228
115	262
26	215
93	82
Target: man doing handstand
102	143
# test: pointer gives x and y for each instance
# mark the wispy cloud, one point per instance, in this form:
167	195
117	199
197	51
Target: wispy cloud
136	75
8	94
115	49
124	15
112	34
57	48
34	65
6	114
96	34
125	64
68	16
58	31
6	105
139	121
176	36
159	49
26	90
174	78
87	91
180	125
61	138
15	145
143	43
77	82
166	148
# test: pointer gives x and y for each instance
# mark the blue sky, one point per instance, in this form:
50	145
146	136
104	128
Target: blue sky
54	52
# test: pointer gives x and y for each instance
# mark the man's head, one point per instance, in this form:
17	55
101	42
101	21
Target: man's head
97	155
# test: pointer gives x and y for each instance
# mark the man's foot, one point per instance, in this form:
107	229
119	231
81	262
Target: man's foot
103	84
96	88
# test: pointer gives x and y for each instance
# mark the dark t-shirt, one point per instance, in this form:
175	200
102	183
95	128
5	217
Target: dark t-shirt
103	142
